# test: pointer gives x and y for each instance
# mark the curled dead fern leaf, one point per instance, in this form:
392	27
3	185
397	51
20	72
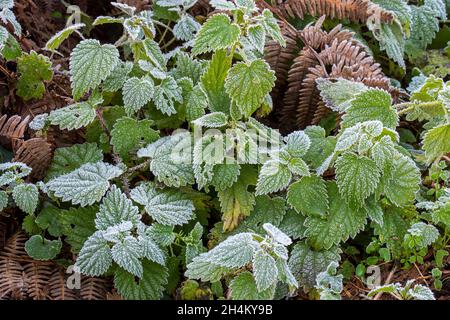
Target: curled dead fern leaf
36	153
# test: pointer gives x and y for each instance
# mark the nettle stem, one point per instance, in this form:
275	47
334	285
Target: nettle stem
403	108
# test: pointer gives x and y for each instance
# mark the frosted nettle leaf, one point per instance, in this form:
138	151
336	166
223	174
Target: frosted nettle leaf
4	34
393	230
248	5
11	171
106	20
306	263
225	175
38	122
424	234
339	94
439	8
382	153
7	15
118	76
298	166
127	254
149	287
424	28
341	222
154	54
95	257
421	292
166	94
186	66
264	270
372	104
235	252
374	211
321	147
270	23
298	143
90	64
248	84
357	177
137	92
162	234
26	196
6	4
243	287
86	185
212	120
151	250
348	138
116	233
68	159
205	270
436	142
257	36
309	196
168	207
116	208
3	200
222	5
277	234
125	8
42	249
168	159
392	40
74	116
403	180
374	128
217	33
55	41
128	135
274	176
197	103
186	28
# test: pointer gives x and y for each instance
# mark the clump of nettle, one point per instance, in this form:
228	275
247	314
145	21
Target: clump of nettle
133	201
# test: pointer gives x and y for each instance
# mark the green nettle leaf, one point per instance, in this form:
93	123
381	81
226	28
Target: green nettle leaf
298	143
154	54
166	164
436	142
196	104
26	196
424	234
321	147
225	175
357	177
168	207
212	120
129	135
265	270
74	116
90	64
372	104
257	36
309	196
186	66
137	92
55	41
78	225
42	249
267	210
341	222
34	69
166	94
68	159
339	94
127	254
243	287
217	33
249	83
403	181
393	230
274	176
115	209
307	263
86	185
293	224
213	82
392	40
272	28
149	287
151	250
95	257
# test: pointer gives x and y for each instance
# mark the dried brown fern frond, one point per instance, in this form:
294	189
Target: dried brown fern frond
36	153
37	275
57	287
333	54
13	127
353	10
94	288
